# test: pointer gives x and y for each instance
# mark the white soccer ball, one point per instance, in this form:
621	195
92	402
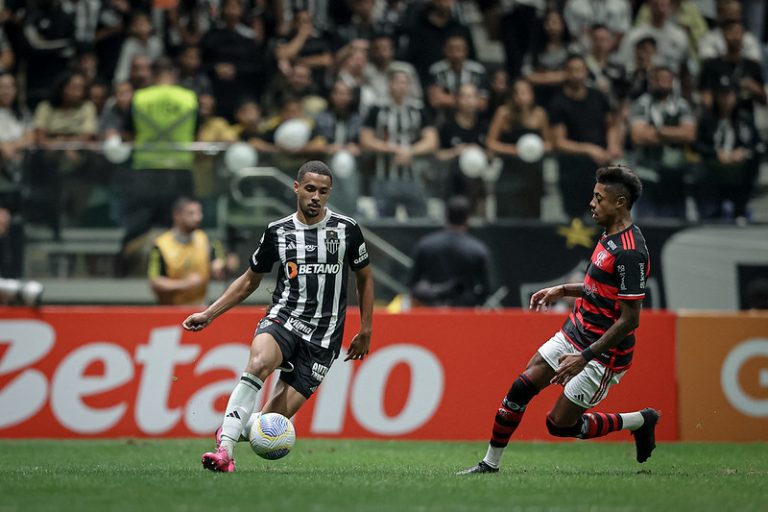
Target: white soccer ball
239	156
473	161
292	134
272	436
530	148
115	150
343	164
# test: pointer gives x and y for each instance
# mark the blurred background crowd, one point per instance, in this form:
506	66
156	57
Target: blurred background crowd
413	101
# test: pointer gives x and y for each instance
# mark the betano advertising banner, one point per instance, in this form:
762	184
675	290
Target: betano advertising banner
112	372
723	369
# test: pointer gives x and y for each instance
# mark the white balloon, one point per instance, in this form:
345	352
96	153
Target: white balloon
292	134
240	155
115	150
343	164
530	148
472	161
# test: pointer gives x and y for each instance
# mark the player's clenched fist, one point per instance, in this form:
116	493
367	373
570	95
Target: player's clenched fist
196	322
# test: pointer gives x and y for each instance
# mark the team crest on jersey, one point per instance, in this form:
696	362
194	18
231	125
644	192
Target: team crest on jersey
600	260
332	241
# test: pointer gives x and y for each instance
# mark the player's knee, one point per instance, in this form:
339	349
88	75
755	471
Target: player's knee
521	392
259	366
562	431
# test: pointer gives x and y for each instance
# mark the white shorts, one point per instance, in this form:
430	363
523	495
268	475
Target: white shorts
588	388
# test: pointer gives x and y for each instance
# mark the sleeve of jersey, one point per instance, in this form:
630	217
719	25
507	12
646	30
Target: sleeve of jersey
266	254
357	253
631	269
156	264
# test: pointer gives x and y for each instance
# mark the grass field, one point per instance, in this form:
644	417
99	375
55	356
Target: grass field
322	475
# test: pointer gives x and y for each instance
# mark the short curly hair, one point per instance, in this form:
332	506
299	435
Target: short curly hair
623	176
315	167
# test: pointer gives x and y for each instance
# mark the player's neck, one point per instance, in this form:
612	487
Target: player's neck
618	225
312	220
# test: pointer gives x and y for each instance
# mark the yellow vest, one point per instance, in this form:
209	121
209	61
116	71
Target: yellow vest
183	259
163	115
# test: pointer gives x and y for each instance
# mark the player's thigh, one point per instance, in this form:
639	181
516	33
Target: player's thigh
310	365
285	400
585	390
566	413
539	372
265	355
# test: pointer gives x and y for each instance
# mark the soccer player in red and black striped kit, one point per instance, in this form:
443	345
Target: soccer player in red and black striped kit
594	348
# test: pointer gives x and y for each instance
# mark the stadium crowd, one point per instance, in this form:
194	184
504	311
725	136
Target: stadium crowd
672	87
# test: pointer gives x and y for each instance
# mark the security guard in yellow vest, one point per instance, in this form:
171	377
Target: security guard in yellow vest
183	260
164	117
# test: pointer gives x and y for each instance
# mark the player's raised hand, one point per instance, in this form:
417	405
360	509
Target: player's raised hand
542	299
196	322
358	347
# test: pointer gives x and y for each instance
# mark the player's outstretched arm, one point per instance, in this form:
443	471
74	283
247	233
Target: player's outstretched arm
361	343
542	299
236	293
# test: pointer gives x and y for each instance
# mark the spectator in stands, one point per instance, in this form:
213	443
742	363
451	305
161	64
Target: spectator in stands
350	64
163	113
233	58
380	64
16	133
639	70
671	40
318	12
464	128
110	35
306	45
662	124
49	38
362	24
340	124
686	15
298	83
520	186
448	75
214	128
586	136
606	73
428	33
140	75
141	41
520	28
545	66
291	108
712	44
396	132
183	259
498	87
7	55
451	267
581	15
190	20
116	113
734	68
190	72
248	127
729	146
66	116
98	94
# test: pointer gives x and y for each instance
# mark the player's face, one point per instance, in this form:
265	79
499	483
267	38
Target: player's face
604	205
189	218
312	194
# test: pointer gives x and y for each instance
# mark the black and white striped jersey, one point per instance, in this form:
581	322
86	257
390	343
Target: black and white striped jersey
443	75
314	261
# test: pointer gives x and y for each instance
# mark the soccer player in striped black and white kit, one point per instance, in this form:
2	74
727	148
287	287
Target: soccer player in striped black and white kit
302	330
594	348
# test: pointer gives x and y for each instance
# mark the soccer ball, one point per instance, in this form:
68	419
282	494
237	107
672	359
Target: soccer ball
472	161
292	134
272	436
530	148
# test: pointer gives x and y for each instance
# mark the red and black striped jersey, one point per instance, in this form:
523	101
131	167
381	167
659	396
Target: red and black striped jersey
618	270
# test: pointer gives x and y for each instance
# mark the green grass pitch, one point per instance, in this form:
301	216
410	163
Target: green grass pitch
330	475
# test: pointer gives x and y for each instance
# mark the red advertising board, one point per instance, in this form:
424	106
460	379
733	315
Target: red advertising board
111	372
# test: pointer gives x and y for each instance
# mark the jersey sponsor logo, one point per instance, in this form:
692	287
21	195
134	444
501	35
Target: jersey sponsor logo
362	254
319	371
293	270
611	245
332	241
590	290
622	269
308	248
300	326
642	275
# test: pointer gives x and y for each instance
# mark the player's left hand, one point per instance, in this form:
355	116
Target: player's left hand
358	347
570	366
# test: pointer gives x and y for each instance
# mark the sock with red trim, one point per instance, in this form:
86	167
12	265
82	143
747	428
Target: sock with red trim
598	424
508	417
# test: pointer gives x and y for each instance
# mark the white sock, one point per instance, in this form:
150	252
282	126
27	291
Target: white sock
239	409
246	435
493	456
631	420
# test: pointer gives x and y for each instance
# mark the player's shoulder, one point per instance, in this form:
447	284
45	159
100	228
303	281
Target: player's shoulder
285	221
628	240
338	218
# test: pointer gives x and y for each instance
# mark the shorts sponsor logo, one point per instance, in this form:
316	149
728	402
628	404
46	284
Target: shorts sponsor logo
301	326
266	322
319	371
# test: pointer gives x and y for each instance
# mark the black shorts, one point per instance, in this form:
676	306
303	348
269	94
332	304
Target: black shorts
310	362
